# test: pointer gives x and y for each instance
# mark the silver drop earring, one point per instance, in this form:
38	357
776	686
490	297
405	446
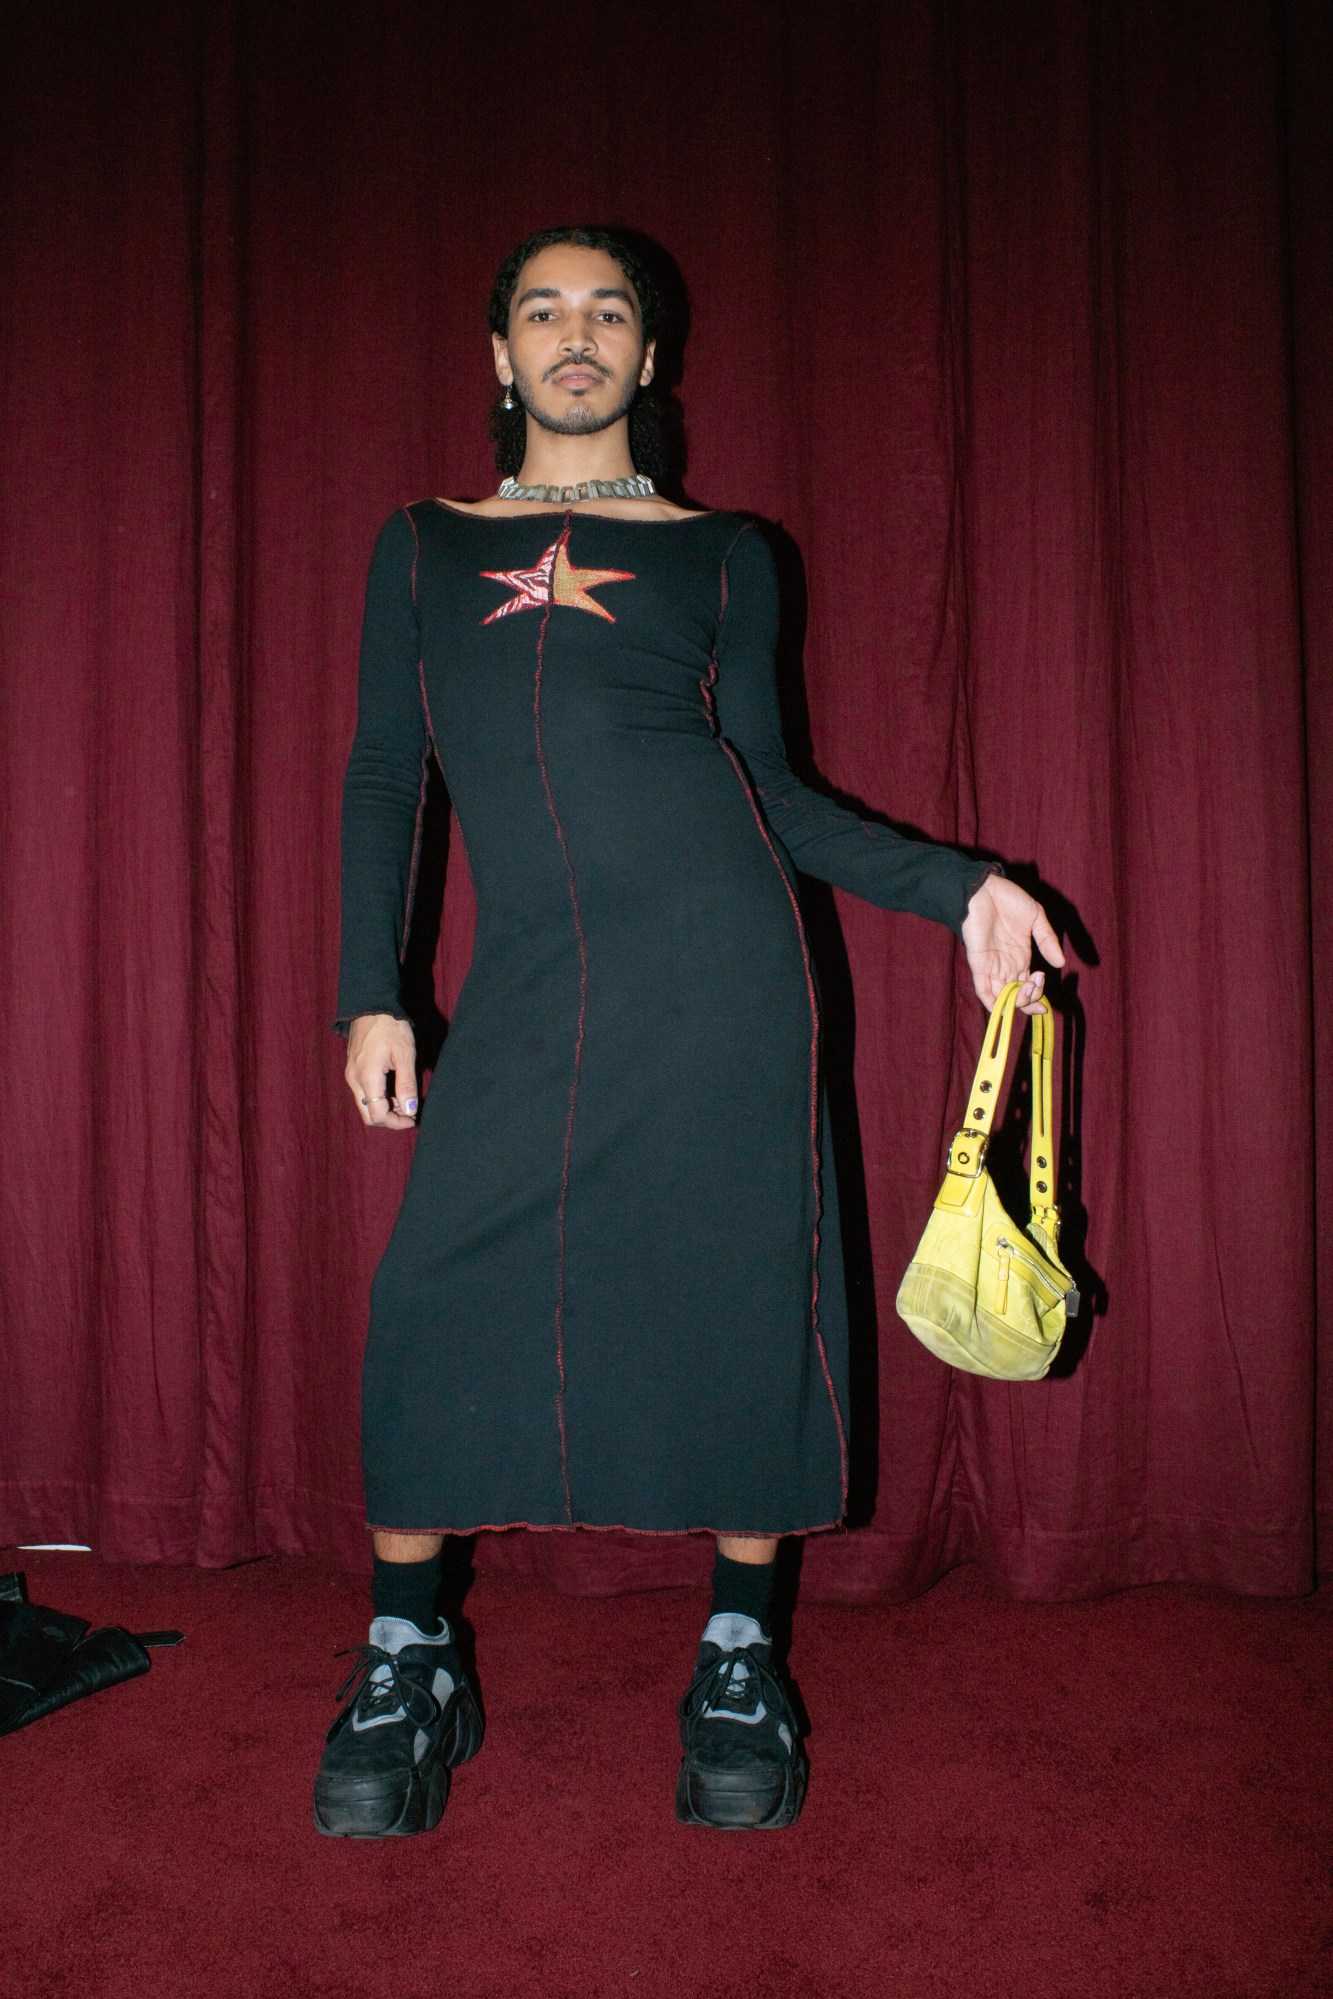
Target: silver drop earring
508	403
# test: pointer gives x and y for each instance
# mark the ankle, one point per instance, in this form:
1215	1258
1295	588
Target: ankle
408	1590
744	1589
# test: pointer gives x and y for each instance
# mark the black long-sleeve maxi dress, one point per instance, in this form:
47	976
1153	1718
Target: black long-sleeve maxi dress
614	1292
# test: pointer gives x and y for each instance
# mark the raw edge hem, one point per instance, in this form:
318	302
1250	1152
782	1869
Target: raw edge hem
613	1527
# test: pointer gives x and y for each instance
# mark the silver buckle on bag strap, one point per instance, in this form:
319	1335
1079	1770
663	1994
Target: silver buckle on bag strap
967	1154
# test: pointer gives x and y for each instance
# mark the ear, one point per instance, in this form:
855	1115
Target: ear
503	366
649	363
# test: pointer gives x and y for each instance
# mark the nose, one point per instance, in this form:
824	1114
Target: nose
580	339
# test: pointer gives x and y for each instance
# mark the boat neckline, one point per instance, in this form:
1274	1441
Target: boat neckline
579	512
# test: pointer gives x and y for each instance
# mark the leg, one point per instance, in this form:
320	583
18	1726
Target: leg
413	1715
407	1577
409	1547
747	1548
743	1577
743	1764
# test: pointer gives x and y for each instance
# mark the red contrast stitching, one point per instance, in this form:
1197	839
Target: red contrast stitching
425	704
416	859
421	664
578	1061
416	553
614	1527
425	761
707	688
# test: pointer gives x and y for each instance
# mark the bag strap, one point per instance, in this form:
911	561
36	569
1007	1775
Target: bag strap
967	1154
1041	1166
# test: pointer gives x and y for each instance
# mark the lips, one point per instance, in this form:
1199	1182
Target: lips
577	378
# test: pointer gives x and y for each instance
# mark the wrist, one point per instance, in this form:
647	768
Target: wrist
978	888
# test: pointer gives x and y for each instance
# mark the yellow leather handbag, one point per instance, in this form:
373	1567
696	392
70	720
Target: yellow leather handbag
980	1292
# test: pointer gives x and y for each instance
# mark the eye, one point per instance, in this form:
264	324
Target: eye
611	313
540	312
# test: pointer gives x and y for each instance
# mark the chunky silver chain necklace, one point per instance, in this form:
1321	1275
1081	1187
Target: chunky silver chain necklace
639	487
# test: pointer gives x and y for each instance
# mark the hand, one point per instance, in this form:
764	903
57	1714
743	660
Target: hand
380	1046
1002	924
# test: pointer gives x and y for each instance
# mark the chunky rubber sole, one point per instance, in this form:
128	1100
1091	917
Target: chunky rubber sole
402	1802
390	1808
732	1801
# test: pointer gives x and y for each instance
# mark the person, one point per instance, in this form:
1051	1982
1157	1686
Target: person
613	1296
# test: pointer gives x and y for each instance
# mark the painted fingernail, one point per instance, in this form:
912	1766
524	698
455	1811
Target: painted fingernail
410	1105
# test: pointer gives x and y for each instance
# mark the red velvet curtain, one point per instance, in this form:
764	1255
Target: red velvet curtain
1017	319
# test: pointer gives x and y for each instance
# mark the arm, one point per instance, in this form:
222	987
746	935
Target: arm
996	919
381	813
823	838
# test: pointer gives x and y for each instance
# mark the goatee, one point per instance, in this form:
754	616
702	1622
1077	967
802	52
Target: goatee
581	420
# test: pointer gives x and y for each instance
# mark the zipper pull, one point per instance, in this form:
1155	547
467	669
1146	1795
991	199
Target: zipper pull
1002	1289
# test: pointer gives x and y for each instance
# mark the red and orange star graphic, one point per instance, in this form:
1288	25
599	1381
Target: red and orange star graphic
554	580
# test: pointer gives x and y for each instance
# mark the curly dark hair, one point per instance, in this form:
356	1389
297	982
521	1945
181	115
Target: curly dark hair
655	438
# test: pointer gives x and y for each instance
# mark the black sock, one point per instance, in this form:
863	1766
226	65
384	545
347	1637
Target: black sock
410	1590
746	1587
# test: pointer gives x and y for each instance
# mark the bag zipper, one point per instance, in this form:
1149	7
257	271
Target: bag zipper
1005	1251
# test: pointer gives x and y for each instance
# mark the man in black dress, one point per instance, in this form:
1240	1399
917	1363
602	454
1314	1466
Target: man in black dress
575	318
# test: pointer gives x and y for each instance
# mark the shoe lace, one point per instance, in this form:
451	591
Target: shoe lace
738	1680
381	1685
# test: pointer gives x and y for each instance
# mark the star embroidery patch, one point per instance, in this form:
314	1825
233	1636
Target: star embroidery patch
554	580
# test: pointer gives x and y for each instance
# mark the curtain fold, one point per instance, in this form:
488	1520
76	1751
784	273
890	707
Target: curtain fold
1016	323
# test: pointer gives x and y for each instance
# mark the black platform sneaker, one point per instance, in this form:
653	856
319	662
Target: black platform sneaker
412	1718
743	1765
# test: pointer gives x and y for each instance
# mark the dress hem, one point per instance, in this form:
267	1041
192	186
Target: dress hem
612	1527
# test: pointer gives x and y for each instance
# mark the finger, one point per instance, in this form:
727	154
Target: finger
394	1121
1045	938
379	1114
353	1082
405	1091
374	1094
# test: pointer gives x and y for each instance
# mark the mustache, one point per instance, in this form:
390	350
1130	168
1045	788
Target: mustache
581	362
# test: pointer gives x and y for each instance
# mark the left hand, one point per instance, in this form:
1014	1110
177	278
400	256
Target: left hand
1002	924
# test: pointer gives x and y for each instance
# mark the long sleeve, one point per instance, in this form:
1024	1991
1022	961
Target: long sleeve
823	838
384	789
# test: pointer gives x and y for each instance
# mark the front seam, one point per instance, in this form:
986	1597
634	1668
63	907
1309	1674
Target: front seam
578	1063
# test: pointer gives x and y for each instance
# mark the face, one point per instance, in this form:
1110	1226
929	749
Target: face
575	354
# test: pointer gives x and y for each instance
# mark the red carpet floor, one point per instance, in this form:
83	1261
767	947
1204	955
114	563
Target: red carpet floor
1127	1799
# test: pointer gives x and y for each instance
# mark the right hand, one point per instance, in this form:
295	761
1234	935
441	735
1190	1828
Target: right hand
379	1046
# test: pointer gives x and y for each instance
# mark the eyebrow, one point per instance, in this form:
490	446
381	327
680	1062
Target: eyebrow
553	291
